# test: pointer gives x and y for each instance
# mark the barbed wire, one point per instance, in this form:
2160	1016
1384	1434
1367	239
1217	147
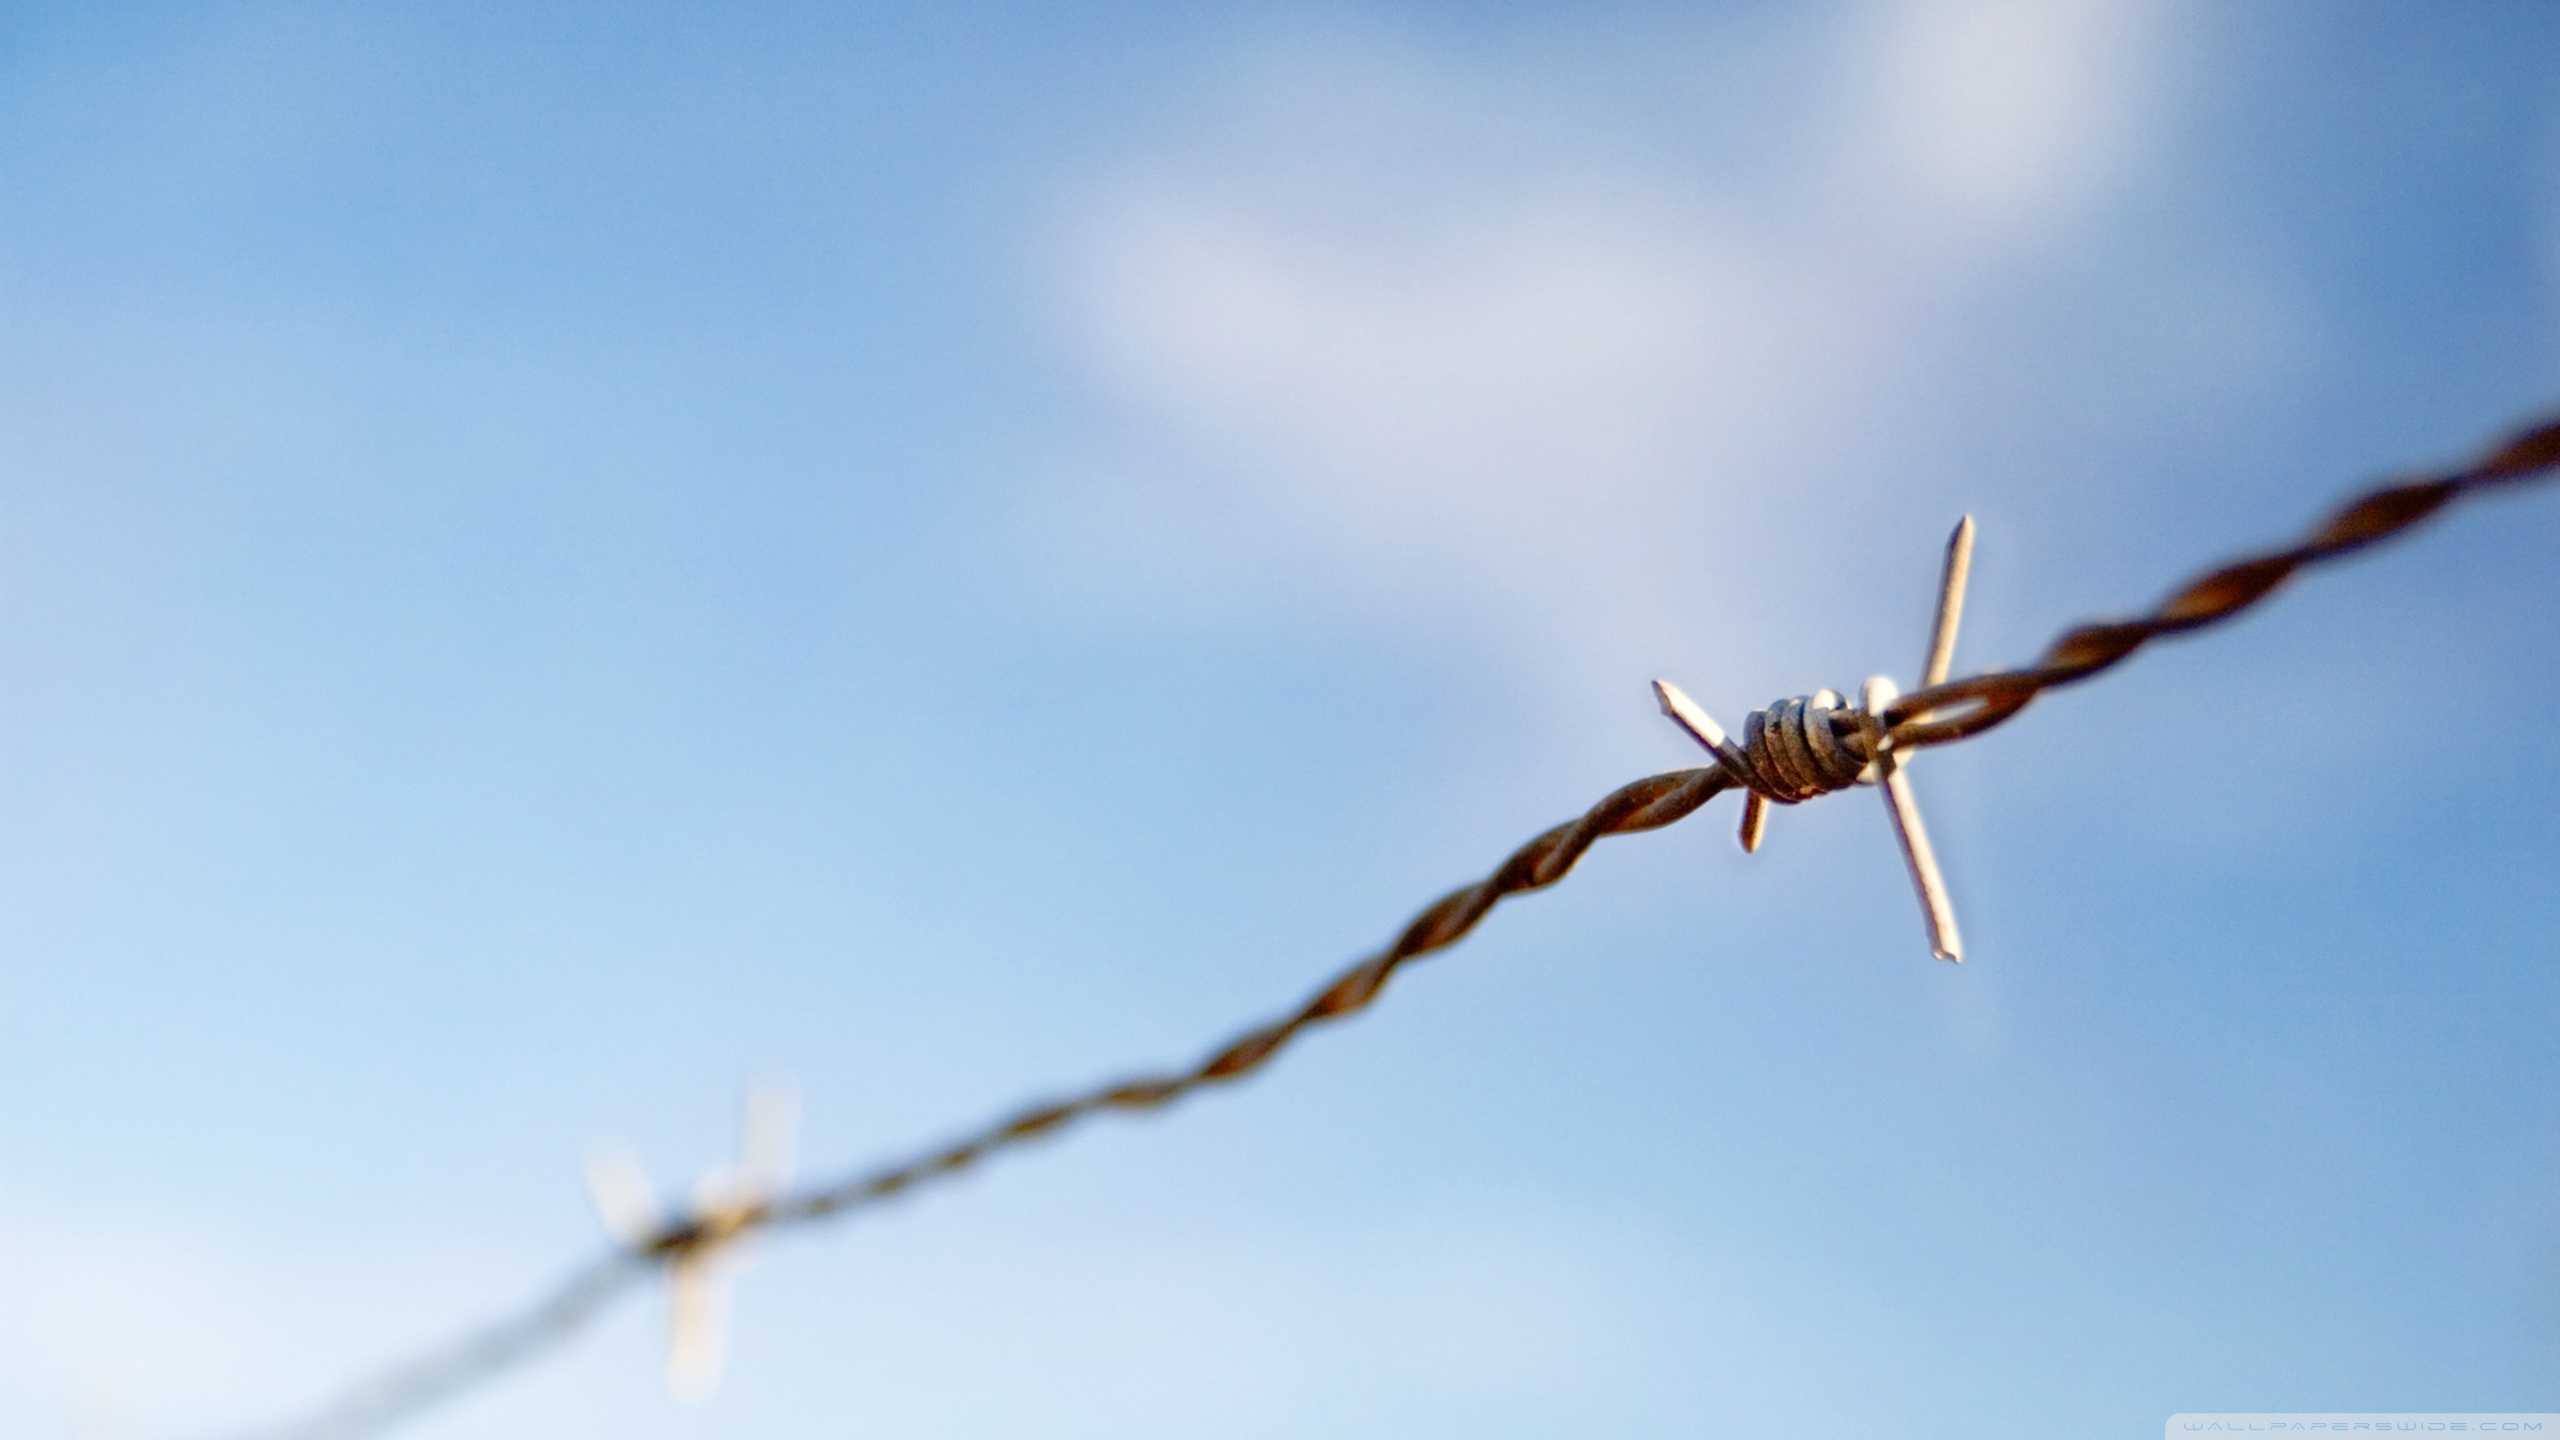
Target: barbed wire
1908	723
2085	650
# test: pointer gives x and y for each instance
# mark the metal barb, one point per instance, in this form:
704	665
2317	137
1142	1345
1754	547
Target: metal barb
701	1250
1755	821
1692	717
1689	715
1936	908
1942	631
1805	725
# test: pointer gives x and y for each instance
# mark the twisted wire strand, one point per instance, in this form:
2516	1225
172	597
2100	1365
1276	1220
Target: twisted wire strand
2085	650
396	1395
1647	804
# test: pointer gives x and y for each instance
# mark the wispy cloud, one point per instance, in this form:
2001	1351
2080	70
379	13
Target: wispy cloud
1511	344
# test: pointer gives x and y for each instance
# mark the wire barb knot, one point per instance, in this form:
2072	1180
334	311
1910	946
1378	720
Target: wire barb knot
1796	748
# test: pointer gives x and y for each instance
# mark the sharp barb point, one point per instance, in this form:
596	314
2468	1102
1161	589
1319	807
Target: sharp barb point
1937	909
1950	616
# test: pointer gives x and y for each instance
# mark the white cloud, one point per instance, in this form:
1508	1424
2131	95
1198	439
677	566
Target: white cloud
1534	372
1491	346
2011	109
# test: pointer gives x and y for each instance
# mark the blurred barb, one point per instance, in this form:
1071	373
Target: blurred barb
727	1206
370	1409
624	1199
703	1250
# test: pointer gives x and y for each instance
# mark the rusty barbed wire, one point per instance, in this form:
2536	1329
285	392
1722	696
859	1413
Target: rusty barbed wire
1907	723
2085	650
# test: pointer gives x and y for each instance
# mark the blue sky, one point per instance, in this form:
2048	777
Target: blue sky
555	559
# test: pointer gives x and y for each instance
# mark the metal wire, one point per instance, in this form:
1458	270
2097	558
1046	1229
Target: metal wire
1648	804
2082	652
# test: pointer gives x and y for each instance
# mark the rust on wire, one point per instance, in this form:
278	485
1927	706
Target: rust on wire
2084	651
1887	726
